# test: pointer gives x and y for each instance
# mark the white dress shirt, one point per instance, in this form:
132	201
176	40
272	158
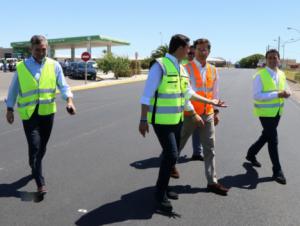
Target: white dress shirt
154	78
258	93
189	106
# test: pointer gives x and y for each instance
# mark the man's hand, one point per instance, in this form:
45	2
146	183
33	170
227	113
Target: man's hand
71	107
143	128
10	116
198	120
218	103
284	94
216	119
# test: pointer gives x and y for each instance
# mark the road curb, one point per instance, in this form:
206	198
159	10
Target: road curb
106	84
100	84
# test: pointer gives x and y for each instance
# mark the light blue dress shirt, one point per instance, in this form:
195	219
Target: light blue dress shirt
154	78
35	69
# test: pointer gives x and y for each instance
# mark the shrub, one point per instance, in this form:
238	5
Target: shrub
121	67
135	67
145	63
106	63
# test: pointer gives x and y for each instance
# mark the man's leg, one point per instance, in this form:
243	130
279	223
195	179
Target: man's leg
32	132
186	131
257	146
46	124
167	138
188	128
197	147
270	127
207	138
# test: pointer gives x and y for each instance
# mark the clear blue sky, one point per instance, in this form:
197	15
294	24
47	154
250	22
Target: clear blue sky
235	28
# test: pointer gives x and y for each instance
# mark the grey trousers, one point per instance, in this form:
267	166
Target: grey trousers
207	139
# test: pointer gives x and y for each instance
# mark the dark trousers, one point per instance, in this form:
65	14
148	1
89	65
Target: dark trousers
37	129
269	135
169	139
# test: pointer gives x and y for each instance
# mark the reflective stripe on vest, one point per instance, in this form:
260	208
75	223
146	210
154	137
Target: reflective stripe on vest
202	88
269	108
36	102
166	108
33	92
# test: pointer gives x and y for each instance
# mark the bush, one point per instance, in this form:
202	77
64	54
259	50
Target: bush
145	63
250	61
121	67
106	63
135	67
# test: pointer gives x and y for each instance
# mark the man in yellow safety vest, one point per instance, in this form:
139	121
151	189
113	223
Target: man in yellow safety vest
33	87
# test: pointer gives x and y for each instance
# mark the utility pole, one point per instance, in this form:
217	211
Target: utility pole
278	44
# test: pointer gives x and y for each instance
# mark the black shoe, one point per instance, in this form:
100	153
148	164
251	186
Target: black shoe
197	158
279	178
164	206
253	161
172	194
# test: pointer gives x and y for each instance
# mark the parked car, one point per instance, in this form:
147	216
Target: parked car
78	71
69	69
93	63
10	64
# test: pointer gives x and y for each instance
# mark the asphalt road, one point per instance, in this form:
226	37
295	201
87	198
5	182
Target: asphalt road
99	170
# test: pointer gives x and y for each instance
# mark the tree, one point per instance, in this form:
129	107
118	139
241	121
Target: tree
250	61
160	51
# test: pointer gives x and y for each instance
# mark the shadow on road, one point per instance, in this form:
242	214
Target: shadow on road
154	162
249	180
12	190
137	205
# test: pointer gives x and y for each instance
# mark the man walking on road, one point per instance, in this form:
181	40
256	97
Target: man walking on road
270	88
33	87
165	94
204	81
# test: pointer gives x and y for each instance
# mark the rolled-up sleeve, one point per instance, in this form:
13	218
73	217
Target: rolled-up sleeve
257	91
152	83
63	86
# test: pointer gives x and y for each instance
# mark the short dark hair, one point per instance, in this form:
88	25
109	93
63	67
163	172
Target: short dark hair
272	51
202	41
38	39
177	41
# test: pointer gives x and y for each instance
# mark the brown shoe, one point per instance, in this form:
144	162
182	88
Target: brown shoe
217	189
174	173
42	190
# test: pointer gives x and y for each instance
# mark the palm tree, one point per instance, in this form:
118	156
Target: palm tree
160	51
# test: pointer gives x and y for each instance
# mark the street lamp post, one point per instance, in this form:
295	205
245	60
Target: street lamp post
291	28
278	43
283	46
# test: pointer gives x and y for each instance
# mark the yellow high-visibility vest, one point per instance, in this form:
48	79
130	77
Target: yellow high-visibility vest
269	108
166	107
33	92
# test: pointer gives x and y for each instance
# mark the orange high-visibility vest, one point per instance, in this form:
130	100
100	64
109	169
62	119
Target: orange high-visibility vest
202	88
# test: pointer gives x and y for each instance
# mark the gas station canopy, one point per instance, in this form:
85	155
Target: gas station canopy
75	42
